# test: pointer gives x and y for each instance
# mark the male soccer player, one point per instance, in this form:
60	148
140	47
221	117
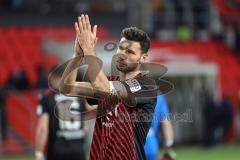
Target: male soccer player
122	120
161	114
64	135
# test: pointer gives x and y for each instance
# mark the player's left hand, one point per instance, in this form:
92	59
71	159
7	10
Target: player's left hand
169	154
86	35
42	158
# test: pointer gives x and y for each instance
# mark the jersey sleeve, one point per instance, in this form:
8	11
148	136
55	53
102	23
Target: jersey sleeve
42	105
91	101
140	90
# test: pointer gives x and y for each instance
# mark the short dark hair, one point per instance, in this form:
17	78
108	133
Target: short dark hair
136	34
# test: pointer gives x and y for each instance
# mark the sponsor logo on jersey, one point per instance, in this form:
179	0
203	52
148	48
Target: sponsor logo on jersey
133	85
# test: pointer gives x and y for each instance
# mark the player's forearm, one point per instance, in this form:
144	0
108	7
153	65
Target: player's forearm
69	86
168	133
78	89
78	53
41	139
96	75
70	74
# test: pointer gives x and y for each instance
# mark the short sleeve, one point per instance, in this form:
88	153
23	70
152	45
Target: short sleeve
91	101
42	105
141	89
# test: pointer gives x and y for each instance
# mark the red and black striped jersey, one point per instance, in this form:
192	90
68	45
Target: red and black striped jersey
120	134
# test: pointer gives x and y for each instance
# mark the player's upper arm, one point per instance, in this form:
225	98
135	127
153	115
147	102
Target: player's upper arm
134	90
42	113
43	121
42	125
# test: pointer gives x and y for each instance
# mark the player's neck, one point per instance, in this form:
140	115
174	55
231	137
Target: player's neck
126	76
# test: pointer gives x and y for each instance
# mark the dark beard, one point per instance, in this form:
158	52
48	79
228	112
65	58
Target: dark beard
128	69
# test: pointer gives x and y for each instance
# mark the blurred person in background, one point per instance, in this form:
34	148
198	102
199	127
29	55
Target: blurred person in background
3	119
161	113
224	117
209	118
42	81
18	80
63	135
238	117
218	119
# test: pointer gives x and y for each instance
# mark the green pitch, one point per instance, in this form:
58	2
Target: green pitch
212	153
187	153
17	158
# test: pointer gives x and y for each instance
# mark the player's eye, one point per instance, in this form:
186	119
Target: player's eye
130	51
121	47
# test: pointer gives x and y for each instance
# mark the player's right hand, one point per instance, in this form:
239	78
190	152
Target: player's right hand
87	35
39	155
77	49
169	154
42	158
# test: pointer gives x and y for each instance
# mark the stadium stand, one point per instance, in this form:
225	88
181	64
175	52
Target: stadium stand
21	47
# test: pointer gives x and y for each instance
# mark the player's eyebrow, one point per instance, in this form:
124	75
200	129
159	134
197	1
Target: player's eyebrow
130	50
126	48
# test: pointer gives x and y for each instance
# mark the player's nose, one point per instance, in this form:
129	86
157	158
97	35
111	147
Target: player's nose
122	56
121	51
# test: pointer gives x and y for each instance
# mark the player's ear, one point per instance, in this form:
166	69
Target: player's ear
143	57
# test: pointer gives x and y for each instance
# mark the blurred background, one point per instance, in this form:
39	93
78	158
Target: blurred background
197	40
